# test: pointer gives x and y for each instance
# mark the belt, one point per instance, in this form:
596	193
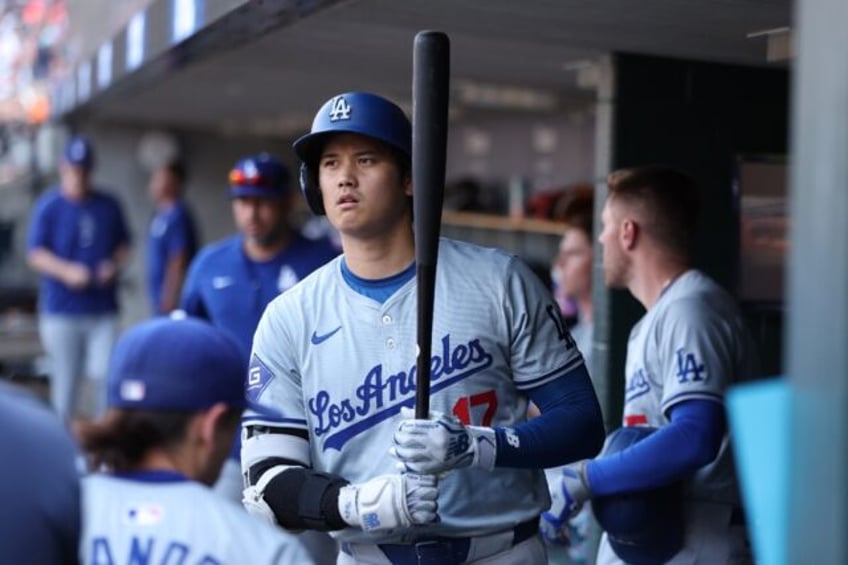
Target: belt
443	550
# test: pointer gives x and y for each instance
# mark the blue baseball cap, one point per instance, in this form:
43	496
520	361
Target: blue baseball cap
176	364
261	175
79	152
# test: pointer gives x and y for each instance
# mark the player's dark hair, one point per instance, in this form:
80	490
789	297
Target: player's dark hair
579	211
123	437
667	199
178	169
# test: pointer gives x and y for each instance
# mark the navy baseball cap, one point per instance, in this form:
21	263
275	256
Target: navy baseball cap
176	364
79	152
260	175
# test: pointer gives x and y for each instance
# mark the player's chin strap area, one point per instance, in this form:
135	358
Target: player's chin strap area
443	550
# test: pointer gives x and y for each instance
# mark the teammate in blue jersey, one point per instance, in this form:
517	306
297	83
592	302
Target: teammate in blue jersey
681	356
171	238
335	357
38	524
231	281
175	396
78	242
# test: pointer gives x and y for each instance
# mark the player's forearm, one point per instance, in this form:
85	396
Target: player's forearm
173	281
277	459
690	441
303	499
48	263
569	428
121	256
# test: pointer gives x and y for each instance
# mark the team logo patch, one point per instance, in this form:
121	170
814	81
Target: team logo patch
287	278
144	514
133	391
221	282
562	331
688	368
258	379
339	109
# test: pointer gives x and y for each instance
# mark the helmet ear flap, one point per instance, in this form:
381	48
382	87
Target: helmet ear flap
311	191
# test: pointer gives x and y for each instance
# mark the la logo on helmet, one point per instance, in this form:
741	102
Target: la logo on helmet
340	109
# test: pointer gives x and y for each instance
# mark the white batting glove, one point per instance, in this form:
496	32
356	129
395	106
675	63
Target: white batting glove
442	443
567	498
389	502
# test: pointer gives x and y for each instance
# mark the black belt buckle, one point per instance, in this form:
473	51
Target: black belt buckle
435	552
442	552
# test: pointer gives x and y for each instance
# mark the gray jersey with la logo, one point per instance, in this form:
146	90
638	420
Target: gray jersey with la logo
338	366
691	345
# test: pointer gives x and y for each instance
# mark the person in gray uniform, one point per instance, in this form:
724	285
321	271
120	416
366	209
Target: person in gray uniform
690	345
175	398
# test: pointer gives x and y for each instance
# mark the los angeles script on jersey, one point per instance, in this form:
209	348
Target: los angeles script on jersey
381	396
149	550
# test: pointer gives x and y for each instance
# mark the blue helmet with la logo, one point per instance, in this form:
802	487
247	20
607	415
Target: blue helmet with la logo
260	175
352	112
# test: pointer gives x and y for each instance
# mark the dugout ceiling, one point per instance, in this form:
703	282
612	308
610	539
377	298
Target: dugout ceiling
265	66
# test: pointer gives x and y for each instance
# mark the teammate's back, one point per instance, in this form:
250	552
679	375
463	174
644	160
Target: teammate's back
175	399
39	520
153	517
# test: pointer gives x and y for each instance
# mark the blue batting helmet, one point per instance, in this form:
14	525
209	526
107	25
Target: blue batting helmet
352	112
259	175
645	527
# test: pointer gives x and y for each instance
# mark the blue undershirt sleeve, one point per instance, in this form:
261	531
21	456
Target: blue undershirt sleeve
691	440
569	428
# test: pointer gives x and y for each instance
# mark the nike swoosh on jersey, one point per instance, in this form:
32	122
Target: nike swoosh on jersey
221	282
318	339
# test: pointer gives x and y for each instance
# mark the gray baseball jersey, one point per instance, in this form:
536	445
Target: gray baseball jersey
691	345
339	366
174	521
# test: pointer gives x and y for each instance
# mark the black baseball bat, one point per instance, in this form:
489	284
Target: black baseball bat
430	93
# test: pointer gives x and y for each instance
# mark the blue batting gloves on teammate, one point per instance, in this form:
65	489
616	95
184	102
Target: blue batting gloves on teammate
566	501
441	444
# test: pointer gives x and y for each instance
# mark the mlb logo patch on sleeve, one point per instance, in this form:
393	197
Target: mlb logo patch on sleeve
258	379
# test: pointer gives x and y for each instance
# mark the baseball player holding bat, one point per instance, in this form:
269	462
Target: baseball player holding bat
335	356
681	356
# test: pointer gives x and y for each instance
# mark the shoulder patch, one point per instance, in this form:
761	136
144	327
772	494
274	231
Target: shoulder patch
258	378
